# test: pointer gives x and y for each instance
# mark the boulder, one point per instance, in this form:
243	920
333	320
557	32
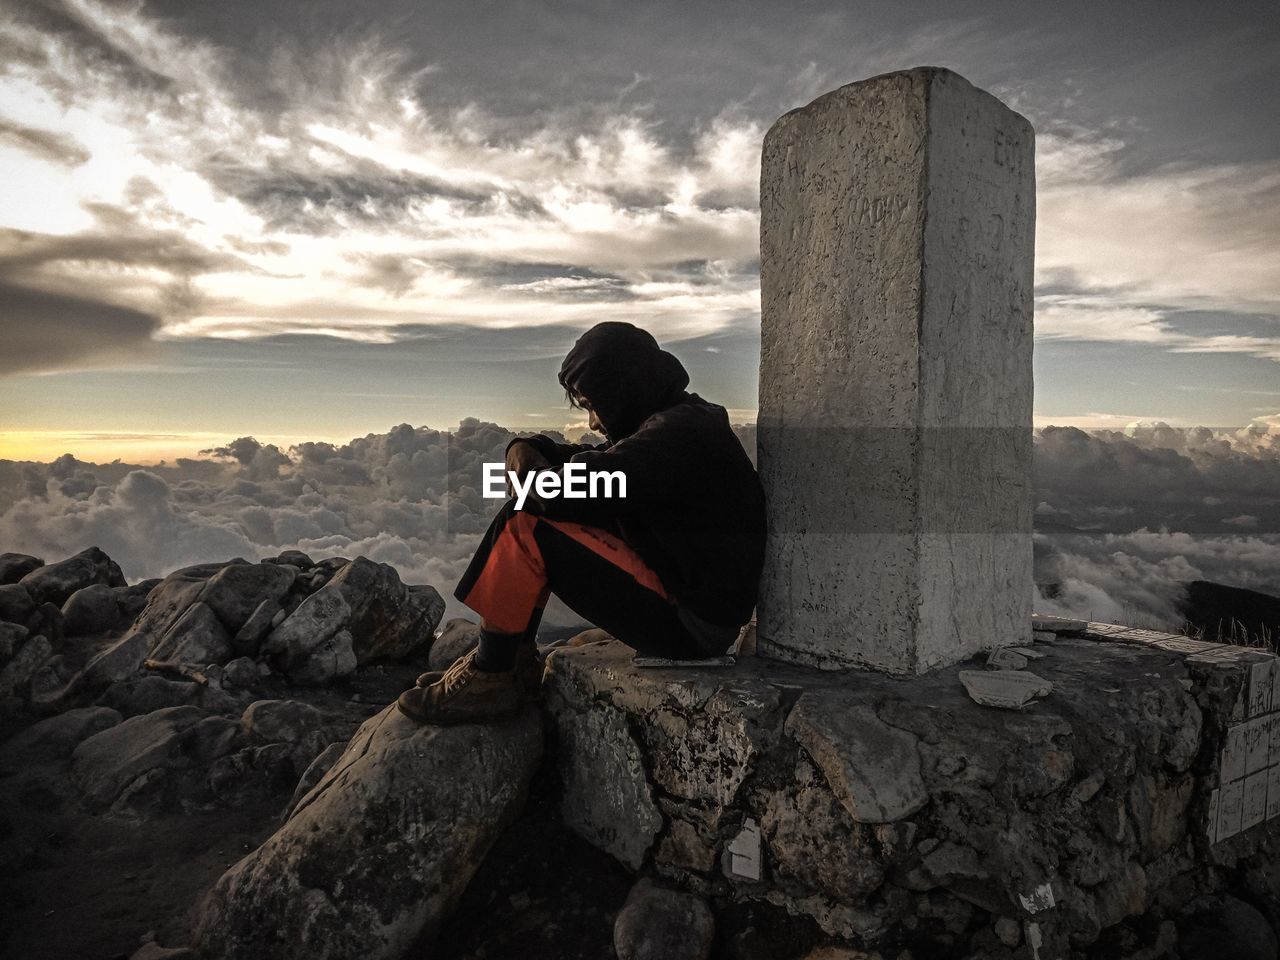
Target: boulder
237	590
27	659
55	737
249	637
315	771
133	599
241	674
607	797
456	639
12	637
282	721
92	610
47	620
198	637
56	582
16	605
15	566
190	616
657	923
148	694
294	558
364	613
873	768
429	800
1223	926
134	761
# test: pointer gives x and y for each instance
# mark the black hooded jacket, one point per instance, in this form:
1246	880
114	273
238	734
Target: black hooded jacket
694	509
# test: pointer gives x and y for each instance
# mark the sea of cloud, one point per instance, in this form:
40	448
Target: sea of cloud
1123	519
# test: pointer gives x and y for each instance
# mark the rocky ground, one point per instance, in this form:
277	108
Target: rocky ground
207	765
152	735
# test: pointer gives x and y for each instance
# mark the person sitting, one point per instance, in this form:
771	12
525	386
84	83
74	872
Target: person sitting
671	569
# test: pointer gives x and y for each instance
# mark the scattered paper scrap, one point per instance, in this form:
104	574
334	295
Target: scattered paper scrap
1041	898
744	851
1007	689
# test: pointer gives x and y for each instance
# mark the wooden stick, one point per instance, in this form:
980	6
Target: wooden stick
182	669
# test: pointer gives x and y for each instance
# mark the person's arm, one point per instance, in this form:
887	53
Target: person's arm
553	452
657	464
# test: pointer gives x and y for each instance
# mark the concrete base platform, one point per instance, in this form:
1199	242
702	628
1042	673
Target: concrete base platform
900	814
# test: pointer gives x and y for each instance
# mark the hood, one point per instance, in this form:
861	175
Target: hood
625	374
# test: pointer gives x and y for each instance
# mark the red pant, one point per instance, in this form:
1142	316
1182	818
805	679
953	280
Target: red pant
524	558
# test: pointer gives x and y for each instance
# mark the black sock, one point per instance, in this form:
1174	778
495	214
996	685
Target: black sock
496	651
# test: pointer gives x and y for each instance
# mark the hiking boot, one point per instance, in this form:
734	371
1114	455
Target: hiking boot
464	694
529	664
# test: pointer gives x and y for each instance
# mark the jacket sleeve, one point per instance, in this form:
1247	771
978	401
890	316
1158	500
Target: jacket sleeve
657	466
555	453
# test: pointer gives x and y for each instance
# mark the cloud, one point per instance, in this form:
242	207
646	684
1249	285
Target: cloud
46	331
56	148
1123	520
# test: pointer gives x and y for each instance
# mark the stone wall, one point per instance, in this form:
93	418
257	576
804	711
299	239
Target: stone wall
892	814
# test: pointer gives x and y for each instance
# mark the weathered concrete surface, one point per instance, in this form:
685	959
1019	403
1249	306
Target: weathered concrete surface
381	848
891	812
897	223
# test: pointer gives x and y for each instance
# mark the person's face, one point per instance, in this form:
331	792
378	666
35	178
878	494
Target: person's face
593	419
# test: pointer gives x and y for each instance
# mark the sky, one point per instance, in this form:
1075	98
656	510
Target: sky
310	221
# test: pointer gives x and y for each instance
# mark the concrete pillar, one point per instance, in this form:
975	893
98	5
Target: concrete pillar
896	247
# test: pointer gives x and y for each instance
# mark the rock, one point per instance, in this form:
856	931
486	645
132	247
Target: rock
455	640
153	951
133	599
148	694
1123	895
1007	689
294	558
1058	625
133	760
281	721
186	618
333	564
47	620
249	637
55	737
657	923
1223	926
315	771
1006	659
241	674
12	637
56	582
92	610
429	800
236	591
16	605
364	613
15	676
15	566
1008	931
197	638
607	798
799	829
873	768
